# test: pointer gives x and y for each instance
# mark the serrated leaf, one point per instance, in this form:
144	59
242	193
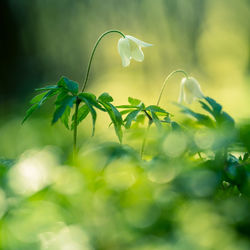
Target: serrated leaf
206	107
49	94
246	156
130	117
30	111
91	98
140	118
203	119
115	117
134	101
61	96
105	97
167	119
38	97
82	113
155	108
38	100
216	106
226	120
175	126
156	120
67	101
65	117
116	113
93	115
50	87
68	84
124	112
127	106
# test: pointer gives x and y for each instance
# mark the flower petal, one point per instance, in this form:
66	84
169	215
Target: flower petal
192	86
188	96
124	51
196	89
136	52
181	96
138	42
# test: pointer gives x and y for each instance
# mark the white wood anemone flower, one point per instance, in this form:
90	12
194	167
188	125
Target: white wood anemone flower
131	48
190	90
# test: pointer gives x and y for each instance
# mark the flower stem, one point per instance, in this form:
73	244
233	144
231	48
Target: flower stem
93	52
84	86
159	98
166	80
75	129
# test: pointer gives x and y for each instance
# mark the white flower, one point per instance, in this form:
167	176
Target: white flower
130	48
190	90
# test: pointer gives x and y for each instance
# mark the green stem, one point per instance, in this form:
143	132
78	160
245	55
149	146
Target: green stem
150	120
166	80
75	129
85	83
93	52
145	138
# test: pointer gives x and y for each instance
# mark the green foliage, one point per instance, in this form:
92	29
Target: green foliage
137	107
83	111
68	85
67	95
114	114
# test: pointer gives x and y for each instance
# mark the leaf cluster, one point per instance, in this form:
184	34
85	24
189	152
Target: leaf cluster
136	111
66	92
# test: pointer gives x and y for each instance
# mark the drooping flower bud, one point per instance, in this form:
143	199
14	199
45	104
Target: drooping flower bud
130	48
190	90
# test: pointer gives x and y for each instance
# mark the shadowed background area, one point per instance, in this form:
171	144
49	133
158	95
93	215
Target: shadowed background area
42	40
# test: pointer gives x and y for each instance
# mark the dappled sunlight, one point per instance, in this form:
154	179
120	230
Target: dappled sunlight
32	172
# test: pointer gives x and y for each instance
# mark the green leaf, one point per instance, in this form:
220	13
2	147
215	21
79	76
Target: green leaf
126	106
226	119
82	113
216	106
38	100
30	111
92	112
91	98
140	118
175	126
115	117
206	107
220	116
61	96
156	120
67	101
49	94
68	84
124	112
203	119
130	117
38	97
50	87
105	97
155	108
133	101
65	117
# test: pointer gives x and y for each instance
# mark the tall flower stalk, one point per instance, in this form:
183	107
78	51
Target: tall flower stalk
78	101
157	104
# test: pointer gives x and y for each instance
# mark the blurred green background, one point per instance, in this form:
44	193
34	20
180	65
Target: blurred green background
43	40
177	201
